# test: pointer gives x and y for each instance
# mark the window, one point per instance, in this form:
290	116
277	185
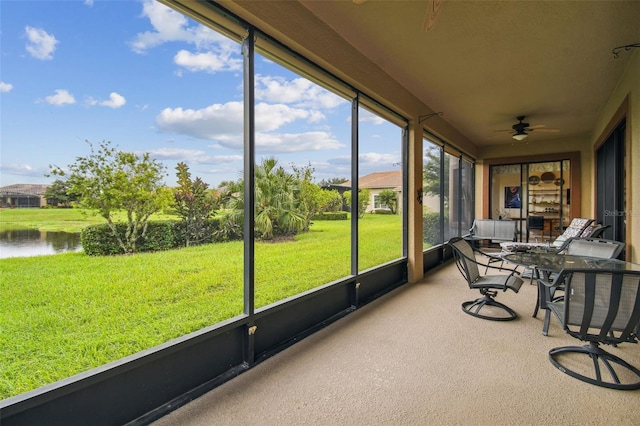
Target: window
380	175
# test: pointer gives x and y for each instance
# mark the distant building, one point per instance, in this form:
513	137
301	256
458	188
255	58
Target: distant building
376	183
23	195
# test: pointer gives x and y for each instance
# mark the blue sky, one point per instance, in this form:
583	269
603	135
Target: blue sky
148	79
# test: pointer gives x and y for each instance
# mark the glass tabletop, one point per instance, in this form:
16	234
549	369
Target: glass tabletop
554	262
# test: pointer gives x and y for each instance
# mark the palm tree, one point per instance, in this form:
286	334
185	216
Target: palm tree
277	200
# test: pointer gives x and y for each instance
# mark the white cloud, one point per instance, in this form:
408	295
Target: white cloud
213	122
20	170
209	61
192	156
62	97
271	117
367	163
226	159
378	159
296	142
368	159
169	25
115	101
88	3
224	120
368	117
5	87
224	124
40	44
299	91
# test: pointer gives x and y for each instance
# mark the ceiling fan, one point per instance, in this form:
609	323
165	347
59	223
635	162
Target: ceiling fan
521	130
434	8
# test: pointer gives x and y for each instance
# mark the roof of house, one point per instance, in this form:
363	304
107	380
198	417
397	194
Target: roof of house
24	189
390	179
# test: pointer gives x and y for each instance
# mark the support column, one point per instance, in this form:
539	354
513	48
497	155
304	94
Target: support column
415	266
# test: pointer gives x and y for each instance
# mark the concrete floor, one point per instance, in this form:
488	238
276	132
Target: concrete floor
413	357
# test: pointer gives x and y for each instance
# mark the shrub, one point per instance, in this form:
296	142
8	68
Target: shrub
431	228
331	216
229	229
99	240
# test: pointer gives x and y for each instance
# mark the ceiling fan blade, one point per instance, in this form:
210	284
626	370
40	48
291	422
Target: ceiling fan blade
543	130
432	15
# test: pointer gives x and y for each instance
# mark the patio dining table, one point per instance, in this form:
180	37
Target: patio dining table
543	264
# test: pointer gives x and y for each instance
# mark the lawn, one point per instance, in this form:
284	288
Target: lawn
65	220
67	313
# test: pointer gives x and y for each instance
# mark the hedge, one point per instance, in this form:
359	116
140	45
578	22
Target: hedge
98	240
431	228
330	216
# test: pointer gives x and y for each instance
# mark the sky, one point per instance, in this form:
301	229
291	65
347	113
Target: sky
147	79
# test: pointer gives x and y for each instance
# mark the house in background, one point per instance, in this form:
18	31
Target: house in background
378	182
23	195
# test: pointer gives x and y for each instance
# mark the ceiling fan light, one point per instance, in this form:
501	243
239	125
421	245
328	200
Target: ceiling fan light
520	136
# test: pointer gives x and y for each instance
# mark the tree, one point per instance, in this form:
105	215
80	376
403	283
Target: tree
332	181
312	199
276	200
431	174
389	198
194	204
364	196
109	181
229	191
59	194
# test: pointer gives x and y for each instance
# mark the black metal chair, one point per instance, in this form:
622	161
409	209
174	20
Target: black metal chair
535	223
485	307
596	248
599	307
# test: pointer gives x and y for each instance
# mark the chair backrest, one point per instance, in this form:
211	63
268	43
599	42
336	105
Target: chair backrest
465	259
505	230
594	247
575	229
492	229
535	222
594	230
600	302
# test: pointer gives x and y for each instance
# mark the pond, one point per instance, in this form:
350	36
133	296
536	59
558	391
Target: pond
32	242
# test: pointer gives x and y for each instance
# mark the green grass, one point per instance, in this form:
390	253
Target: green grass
64	314
66	220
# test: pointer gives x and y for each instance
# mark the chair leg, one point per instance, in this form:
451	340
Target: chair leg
599	357
547	320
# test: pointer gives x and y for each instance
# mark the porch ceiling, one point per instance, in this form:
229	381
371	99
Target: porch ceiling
484	62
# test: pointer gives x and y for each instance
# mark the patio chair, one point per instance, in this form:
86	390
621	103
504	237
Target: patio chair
491	231
578	228
587	247
485	307
536	224
575	229
599	307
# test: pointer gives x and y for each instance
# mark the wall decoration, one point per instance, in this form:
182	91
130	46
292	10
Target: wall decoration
512	198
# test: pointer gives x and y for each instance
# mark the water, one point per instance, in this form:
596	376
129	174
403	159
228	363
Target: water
32	242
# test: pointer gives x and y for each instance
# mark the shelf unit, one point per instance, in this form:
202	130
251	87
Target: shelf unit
546	197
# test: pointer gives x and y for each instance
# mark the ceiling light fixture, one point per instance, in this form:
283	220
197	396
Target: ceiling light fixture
520	135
